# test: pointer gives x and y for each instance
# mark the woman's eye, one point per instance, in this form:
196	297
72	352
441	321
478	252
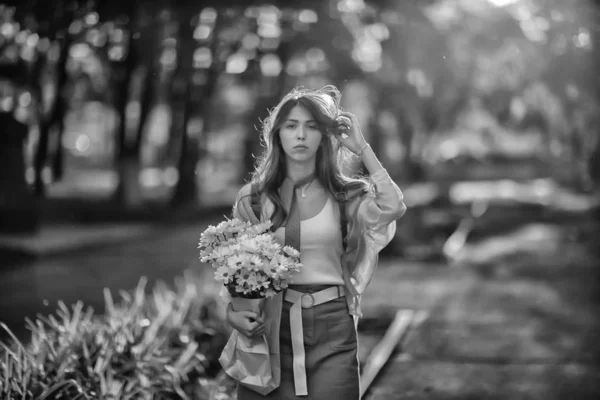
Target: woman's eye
313	127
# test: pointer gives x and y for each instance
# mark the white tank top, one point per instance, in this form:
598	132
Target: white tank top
320	248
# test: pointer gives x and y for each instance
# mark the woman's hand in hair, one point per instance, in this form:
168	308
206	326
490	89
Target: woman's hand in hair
347	131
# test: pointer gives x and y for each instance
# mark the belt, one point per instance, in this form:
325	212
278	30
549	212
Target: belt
304	300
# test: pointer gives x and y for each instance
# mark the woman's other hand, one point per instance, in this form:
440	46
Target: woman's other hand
348	132
248	323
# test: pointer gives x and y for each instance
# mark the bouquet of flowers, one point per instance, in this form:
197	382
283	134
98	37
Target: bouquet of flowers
247	259
253	267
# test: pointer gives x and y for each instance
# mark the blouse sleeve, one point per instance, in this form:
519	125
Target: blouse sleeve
375	222
383	205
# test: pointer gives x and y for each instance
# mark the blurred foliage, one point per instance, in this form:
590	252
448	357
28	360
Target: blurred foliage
163	345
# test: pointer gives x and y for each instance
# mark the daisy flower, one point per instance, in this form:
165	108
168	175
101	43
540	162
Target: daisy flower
236	261
223	274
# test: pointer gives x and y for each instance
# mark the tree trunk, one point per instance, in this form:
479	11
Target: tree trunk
128	163
123	73
54	120
594	166
128	151
18	211
185	192
121	102
186	188
58	109
594	160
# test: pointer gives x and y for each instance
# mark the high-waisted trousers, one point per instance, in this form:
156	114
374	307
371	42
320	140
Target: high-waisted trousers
331	346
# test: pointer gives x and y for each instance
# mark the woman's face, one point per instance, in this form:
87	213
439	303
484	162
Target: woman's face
300	135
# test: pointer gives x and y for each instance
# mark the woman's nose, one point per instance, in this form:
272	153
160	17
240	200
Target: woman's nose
301	133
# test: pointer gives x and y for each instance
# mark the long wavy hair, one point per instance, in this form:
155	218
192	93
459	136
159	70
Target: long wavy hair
331	159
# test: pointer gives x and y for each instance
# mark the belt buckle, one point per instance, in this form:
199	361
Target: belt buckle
307	300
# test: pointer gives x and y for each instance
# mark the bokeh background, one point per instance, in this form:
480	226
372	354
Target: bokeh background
157	103
128	126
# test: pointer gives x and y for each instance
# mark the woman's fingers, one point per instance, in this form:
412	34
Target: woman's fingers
249	315
348	115
246	322
345	117
256	325
259	332
344	122
253	322
342	127
254	329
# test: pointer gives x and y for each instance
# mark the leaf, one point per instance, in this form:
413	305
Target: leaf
109	304
57	388
7	371
186	356
140	291
14	338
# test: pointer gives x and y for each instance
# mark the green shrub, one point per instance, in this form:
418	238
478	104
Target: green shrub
159	345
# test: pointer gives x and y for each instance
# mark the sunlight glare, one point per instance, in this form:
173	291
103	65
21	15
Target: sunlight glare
503	3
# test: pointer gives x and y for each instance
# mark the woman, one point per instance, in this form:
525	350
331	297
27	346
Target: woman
338	223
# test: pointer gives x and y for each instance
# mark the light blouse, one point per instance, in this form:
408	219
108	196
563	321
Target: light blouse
321	248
